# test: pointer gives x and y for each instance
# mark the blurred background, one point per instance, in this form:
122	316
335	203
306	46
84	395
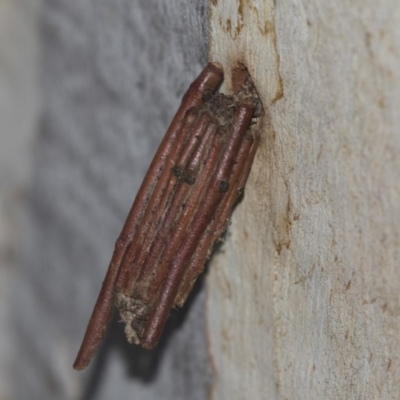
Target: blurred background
87	90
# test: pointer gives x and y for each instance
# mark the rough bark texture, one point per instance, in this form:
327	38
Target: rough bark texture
113	73
304	303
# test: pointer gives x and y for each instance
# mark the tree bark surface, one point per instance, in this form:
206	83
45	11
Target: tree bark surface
303	302
113	75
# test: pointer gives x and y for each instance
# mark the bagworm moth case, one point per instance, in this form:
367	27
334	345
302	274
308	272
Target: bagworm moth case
182	208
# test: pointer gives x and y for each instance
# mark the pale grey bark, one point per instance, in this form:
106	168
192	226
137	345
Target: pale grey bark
304	301
19	102
112	76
